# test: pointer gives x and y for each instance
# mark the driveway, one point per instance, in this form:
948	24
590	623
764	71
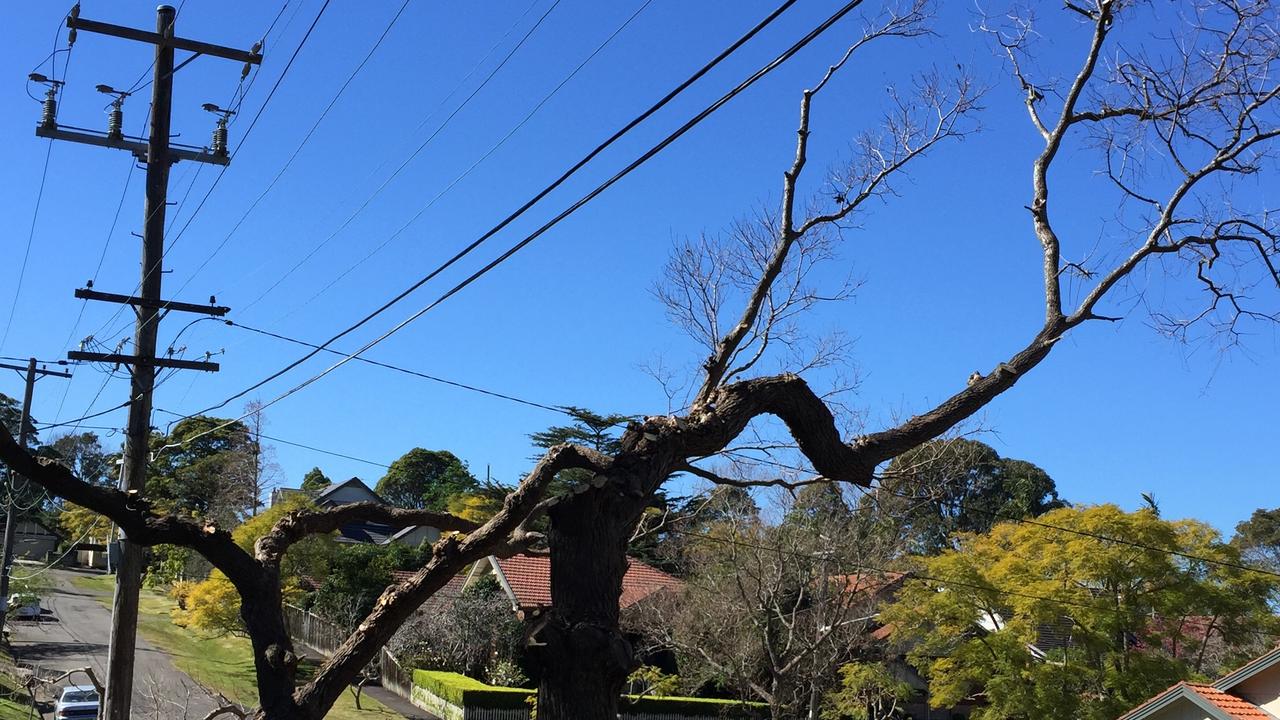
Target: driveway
74	632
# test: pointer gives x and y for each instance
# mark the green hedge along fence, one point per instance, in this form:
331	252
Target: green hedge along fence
465	692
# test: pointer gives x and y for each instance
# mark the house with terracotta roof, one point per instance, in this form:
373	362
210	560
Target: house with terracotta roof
1249	693
526	581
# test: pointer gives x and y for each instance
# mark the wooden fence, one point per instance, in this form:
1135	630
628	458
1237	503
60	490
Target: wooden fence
325	637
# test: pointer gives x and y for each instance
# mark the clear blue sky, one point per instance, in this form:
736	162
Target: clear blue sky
950	268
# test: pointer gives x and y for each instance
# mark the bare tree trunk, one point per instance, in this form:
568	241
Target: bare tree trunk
274	659
585	658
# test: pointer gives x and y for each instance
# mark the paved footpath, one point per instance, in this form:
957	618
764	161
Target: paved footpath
74	632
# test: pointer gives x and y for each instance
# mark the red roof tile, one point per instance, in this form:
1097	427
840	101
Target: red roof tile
530	580
1230	704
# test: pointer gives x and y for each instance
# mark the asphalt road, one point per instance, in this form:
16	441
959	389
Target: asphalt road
73	633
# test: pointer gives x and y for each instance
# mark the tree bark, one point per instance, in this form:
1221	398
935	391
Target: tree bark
585	658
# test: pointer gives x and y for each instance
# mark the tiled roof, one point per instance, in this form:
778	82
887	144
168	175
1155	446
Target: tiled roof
530	579
1226	705
366	532
1233	706
445	596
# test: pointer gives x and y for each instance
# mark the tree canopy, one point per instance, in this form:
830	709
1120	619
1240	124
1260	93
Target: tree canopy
948	486
426	480
1259	538
315	480
1042	623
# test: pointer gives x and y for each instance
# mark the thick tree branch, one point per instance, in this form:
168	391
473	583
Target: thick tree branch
299	524
132	513
449	556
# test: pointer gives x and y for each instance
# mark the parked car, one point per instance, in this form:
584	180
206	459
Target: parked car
24	606
76	702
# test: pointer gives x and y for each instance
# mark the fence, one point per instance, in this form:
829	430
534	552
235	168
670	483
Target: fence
325	637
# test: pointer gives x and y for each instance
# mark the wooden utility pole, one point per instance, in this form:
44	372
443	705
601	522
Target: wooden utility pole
158	154
11	517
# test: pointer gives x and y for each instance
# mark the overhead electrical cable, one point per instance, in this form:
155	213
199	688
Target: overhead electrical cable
243	139
489	153
412	156
548	189
305	139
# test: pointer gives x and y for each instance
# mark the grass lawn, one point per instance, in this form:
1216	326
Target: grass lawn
224	664
11	708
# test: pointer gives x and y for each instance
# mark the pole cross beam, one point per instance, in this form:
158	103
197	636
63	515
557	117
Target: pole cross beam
215	310
200	48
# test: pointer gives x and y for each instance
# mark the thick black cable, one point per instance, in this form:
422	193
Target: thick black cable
487	154
305	139
546	191
417	151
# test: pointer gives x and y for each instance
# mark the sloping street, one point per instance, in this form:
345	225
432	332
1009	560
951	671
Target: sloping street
73	633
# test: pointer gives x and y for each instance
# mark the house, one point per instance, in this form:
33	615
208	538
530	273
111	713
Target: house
353	491
32	540
1249	693
526	581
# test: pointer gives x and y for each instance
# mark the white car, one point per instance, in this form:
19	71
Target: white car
24	606
76	702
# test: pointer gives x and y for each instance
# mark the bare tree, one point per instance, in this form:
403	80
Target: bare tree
771	611
1181	118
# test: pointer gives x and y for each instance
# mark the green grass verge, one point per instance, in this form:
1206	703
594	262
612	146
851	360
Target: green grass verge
11	708
224	664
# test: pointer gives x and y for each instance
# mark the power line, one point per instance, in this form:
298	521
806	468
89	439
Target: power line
26	254
407	371
305	139
244	138
58	86
422	146
547	190
497	146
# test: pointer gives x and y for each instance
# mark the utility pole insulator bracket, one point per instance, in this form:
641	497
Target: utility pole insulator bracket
215	310
156	362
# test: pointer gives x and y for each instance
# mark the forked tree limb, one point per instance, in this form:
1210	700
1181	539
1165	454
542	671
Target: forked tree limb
301	523
449	557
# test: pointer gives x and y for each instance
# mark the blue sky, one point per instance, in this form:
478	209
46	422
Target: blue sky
949	268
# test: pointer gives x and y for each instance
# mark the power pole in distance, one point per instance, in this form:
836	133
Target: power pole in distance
11	517
158	154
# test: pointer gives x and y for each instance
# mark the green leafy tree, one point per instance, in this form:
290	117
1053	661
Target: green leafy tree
315	481
960	485
357	574
867	691
200	469
1259	538
426	479
1137	620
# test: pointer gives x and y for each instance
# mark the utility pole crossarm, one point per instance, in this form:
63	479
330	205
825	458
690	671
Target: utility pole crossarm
195	46
216	310
143	361
38	371
136	146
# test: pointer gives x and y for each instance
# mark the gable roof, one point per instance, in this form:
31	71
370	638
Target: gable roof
527	578
1251	668
353	482
1216	703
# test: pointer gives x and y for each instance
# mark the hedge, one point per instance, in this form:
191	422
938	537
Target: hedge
465	692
